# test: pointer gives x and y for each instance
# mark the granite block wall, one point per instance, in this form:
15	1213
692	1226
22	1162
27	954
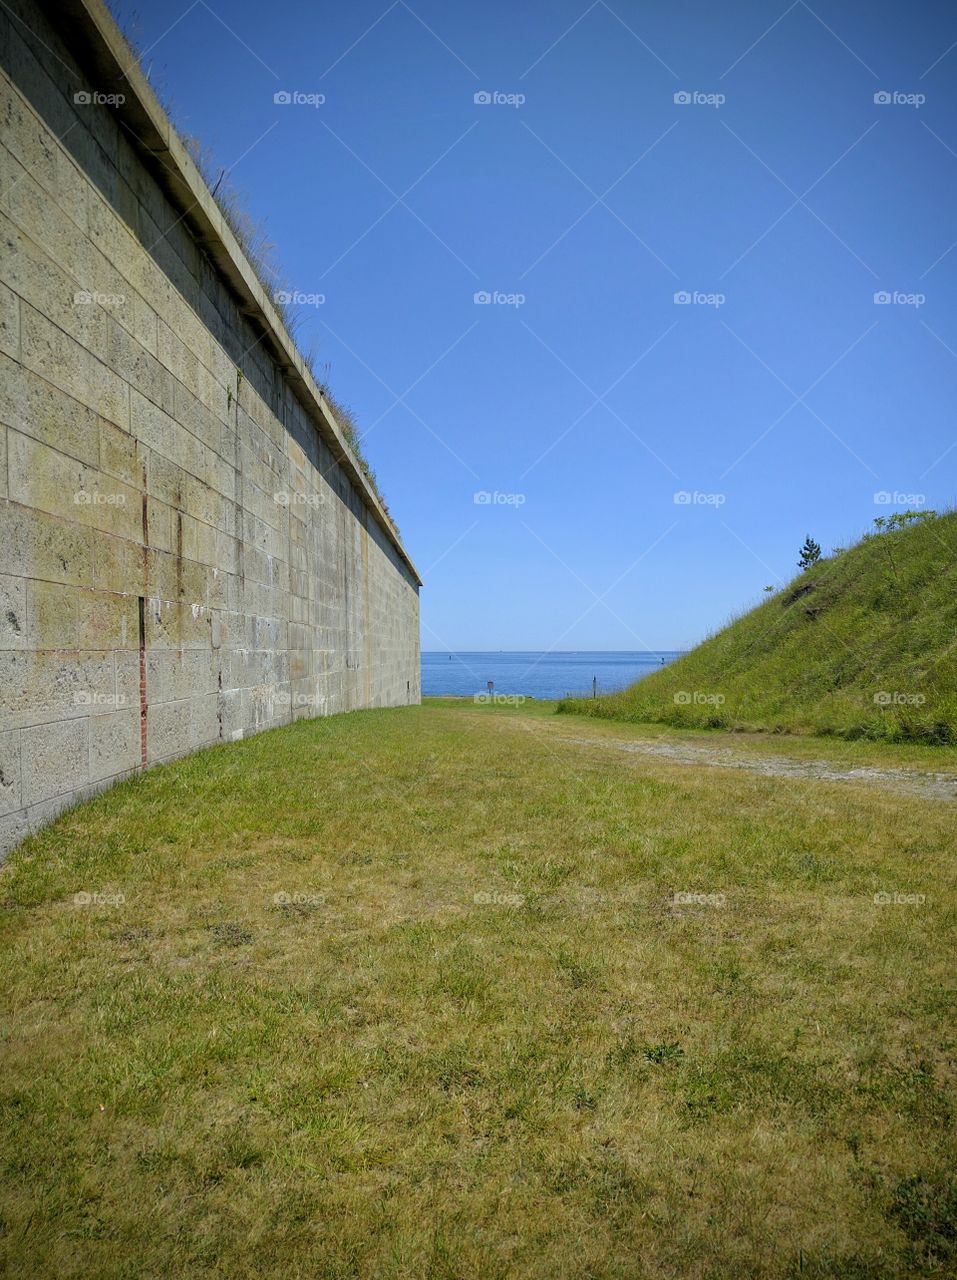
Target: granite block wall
189	552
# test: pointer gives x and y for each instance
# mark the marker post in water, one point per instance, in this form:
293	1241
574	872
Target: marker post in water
594	686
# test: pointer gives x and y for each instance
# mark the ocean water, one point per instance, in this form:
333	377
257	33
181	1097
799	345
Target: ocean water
536	675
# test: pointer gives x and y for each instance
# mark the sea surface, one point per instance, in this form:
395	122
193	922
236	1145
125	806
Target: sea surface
536	675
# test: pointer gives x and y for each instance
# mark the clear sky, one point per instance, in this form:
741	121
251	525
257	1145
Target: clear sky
782	198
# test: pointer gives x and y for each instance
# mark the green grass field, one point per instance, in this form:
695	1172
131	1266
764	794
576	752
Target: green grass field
438	992
861	645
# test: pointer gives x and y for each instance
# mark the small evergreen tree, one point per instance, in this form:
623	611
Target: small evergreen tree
810	553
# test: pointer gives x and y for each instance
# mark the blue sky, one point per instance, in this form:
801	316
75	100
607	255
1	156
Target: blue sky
583	197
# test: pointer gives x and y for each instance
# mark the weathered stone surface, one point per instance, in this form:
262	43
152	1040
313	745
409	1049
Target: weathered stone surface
46	480
53	615
9	322
169	477
10	789
55	759
114	743
13	613
36	545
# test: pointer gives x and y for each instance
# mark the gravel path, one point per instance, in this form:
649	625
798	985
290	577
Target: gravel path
933	786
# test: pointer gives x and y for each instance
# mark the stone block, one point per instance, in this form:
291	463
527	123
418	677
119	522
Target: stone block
33	210
22	133
172	625
46	480
34	407
54	759
154	428
107	620
72	187
53	615
34	544
120	454
14	827
114	743
11	792
9	322
204	726
53	684
14	626
58	358
160	525
167	731
119	565
127	662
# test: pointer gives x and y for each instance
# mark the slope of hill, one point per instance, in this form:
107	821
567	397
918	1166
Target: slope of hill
862	644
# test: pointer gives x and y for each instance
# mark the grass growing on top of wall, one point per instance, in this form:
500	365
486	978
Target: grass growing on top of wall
862	644
441	992
262	254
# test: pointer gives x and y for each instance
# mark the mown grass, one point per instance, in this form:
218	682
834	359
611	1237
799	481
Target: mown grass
479	1032
861	645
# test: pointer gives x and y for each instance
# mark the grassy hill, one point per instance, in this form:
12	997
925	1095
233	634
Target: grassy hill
862	644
